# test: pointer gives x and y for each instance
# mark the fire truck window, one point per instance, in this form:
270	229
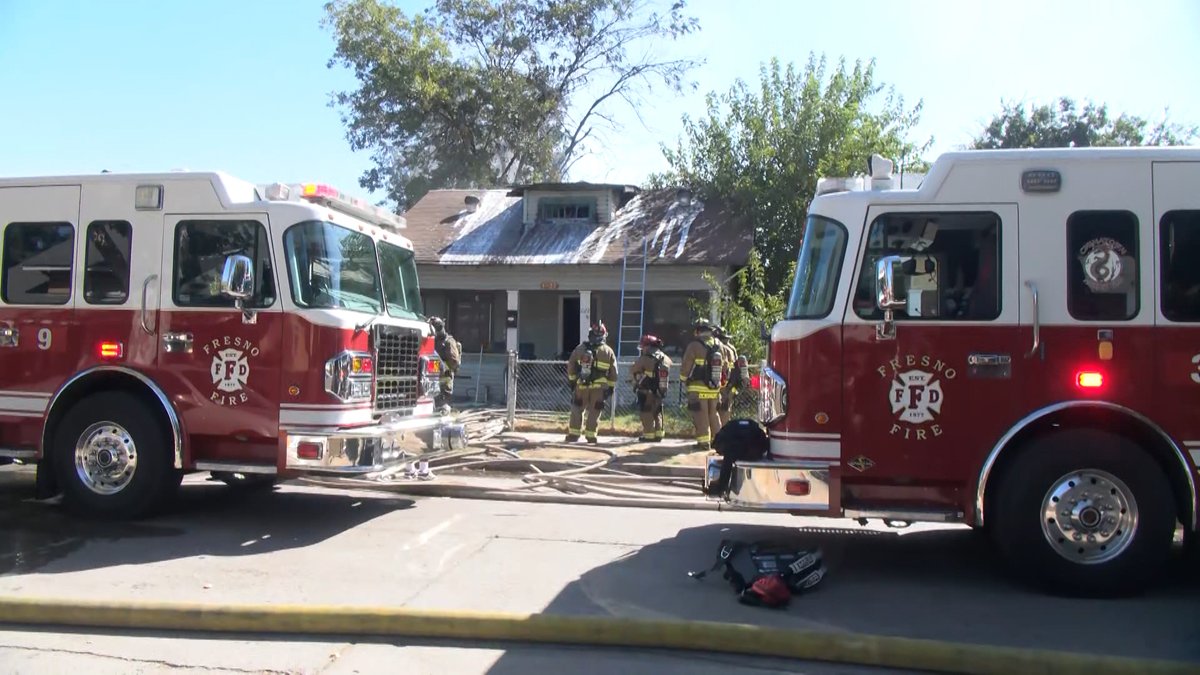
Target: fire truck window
952	270
1102	262
106	263
37	263
201	247
1180	265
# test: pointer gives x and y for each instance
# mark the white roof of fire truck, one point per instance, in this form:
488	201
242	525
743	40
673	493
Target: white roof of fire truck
880	177
230	193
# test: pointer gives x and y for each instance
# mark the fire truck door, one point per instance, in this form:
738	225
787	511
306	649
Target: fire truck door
1088	296
38	342
118	286
927	394
222	364
1177	234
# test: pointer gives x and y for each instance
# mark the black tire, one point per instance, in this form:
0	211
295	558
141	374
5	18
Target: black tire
111	417
246	481
1121	560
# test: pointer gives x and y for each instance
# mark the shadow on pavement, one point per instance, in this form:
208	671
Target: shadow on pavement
931	584
205	519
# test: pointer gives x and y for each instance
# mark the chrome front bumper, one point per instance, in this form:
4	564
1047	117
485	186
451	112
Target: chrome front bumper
366	450
764	485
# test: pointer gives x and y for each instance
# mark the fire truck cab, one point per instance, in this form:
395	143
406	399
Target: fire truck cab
156	324
1013	345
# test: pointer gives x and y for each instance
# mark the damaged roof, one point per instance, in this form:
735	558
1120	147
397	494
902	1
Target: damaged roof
444	230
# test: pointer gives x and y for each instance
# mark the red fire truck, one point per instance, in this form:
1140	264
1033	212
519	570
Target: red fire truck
156	324
1013	345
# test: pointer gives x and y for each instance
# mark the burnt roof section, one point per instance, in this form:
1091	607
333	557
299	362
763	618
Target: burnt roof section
520	190
445	230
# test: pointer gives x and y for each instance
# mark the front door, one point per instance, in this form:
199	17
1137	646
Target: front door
1177	220
222	366
471	321
925	404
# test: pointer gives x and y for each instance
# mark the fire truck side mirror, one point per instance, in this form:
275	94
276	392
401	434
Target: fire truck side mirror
885	284
237	279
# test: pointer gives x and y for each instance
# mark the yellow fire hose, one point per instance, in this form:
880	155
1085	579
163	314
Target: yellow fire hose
700	636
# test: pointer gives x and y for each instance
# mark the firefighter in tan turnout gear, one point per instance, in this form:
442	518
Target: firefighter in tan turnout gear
449	351
704	372
737	378
650	373
591	373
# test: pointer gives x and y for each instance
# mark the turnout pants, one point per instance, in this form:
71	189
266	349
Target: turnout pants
445	391
588	402
703	406
650	403
724	406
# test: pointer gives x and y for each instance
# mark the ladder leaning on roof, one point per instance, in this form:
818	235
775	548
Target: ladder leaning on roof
633	298
633	291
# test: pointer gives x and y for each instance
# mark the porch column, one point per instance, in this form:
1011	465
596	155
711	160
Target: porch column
585	314
511	320
714	307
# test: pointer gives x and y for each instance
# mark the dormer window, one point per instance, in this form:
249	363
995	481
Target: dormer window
566	208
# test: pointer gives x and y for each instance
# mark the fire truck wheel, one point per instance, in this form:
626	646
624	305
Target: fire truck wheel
112	456
245	481
1085	513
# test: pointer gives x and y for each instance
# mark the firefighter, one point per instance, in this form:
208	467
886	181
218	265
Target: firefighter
704	373
449	351
734	381
649	374
591	374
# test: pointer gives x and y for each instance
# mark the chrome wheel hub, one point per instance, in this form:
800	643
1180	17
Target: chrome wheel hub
105	458
1089	516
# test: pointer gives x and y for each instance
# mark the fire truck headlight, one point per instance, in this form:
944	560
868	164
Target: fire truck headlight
431	370
772	402
348	376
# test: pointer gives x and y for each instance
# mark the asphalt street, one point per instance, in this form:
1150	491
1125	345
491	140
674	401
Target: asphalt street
302	544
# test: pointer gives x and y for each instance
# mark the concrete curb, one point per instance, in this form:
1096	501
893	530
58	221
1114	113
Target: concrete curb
844	648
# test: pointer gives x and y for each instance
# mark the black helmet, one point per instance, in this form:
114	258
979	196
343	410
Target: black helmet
597	334
438	325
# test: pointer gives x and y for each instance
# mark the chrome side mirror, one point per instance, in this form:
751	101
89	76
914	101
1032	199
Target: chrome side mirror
237	279
237	282
885	295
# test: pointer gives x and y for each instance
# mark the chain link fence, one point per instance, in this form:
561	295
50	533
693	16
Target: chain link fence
538	393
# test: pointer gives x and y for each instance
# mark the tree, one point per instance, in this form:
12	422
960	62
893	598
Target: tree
745	307
491	92
762	150
1062	125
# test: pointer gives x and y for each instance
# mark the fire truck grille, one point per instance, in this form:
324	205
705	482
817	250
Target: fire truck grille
396	368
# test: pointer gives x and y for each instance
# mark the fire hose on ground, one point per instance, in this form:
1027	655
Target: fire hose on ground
693	636
577	481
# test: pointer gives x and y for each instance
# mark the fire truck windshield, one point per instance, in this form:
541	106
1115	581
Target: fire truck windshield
400	289
332	267
817	270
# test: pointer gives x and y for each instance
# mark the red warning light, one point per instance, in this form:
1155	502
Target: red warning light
1089	379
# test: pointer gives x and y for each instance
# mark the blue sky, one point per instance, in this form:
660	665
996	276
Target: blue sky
136	85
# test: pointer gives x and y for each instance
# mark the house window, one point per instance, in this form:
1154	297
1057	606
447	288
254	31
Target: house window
559	208
670	317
